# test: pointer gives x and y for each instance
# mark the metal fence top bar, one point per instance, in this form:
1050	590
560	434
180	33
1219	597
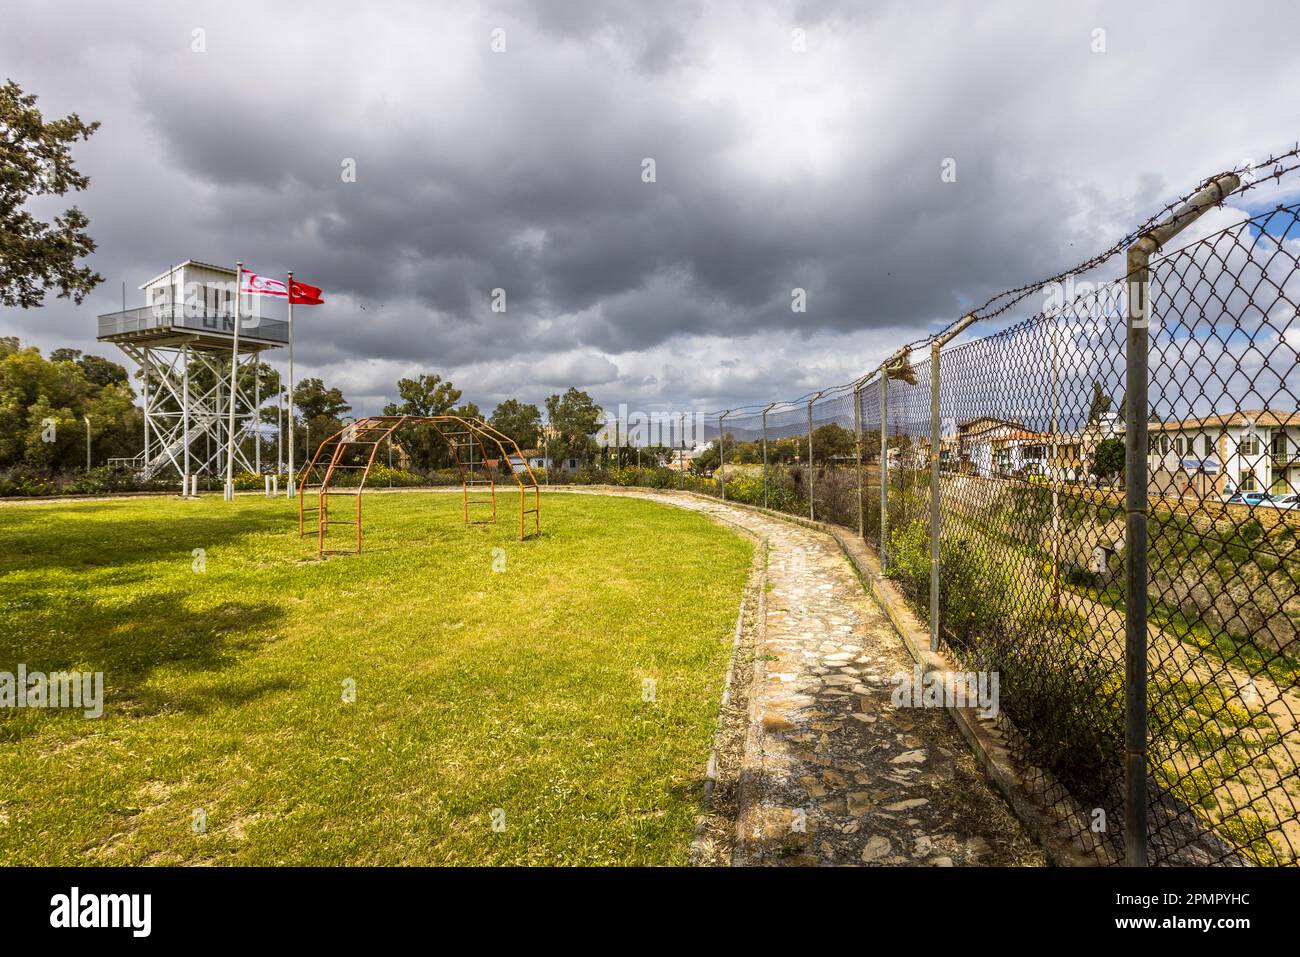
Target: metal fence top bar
1213	194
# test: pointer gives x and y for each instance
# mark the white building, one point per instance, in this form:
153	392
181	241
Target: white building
1253	450
976	440
990	447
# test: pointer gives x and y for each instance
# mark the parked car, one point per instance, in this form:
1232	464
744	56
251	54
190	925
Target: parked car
1284	501
1249	498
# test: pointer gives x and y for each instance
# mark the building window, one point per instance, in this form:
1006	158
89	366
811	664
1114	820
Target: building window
1249	444
1247	483
1209	446
1179	447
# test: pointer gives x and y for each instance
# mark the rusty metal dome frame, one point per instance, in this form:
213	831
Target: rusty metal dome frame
464	436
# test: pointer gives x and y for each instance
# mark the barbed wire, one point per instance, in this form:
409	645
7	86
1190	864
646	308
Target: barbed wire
1279	165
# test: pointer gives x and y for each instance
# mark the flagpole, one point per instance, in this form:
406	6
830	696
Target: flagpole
234	390
292	473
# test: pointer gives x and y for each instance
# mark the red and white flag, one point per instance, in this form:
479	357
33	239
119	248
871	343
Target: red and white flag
303	294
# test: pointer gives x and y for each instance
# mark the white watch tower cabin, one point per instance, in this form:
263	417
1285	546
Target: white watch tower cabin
182	339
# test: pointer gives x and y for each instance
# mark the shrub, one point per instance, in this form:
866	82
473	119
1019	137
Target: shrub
624	476
909	559
1079	577
104	480
746	488
1068	705
1066	701
28	482
1248	832
249	482
22	481
382	475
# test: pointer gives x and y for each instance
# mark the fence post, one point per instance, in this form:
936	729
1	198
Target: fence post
1055	473
681	459
935	439
765	455
1136	415
722	475
884	465
857	456
1135	555
811	513
936	445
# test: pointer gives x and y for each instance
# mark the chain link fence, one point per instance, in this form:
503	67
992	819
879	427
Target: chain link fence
1165	736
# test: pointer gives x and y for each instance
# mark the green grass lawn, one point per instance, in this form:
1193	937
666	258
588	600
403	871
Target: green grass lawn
475	690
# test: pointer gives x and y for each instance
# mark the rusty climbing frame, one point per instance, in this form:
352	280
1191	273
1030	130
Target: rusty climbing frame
471	442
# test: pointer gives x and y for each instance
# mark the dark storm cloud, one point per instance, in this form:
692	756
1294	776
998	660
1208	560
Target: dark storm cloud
521	170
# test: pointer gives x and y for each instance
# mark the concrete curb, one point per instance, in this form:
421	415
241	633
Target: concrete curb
747	787
755	587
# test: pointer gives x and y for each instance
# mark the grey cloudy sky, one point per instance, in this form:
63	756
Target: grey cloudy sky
522	170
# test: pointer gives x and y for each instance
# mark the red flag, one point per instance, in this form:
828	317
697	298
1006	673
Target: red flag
305	295
302	294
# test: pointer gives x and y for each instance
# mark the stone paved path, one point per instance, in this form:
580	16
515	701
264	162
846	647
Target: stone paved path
835	773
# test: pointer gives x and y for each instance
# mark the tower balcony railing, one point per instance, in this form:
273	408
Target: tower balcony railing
187	319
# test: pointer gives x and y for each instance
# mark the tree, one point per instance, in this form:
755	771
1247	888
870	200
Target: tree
523	423
116	424
870	446
575	418
36	160
832	441
654	456
98	370
1101	403
786	450
707	461
43	405
426	394
321	411
101	372
312	400
1108	460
